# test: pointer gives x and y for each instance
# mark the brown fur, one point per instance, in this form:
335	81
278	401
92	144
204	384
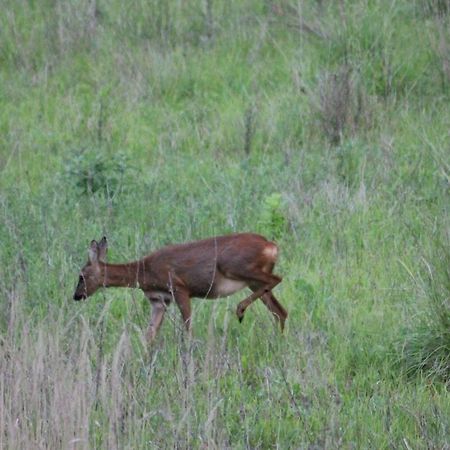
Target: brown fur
210	268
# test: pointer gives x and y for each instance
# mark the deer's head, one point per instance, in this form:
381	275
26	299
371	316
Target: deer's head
91	278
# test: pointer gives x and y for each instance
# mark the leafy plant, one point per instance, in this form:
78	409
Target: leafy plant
273	220
94	171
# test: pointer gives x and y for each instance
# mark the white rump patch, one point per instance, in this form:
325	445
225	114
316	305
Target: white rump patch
271	252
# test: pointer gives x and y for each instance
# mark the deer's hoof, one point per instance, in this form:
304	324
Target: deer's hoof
240	313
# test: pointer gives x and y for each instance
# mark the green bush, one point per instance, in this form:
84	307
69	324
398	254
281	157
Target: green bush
273	219
94	171
426	348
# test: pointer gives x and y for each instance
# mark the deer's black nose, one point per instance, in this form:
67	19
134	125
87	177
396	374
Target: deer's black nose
78	296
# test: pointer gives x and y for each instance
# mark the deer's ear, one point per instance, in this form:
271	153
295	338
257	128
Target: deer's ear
102	249
93	252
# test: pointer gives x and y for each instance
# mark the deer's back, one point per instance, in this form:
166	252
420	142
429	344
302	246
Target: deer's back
217	266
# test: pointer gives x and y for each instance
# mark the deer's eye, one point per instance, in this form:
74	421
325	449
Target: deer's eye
81	279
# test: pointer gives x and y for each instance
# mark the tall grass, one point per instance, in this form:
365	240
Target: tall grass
323	125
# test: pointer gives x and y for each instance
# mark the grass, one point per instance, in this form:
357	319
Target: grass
164	122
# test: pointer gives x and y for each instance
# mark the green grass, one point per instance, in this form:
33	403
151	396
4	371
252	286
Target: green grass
164	121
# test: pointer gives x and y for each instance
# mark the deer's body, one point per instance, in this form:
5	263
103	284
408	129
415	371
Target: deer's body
210	268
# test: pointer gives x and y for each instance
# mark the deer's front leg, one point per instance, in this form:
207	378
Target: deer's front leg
156	319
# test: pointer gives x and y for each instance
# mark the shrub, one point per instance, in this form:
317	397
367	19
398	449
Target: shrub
426	348
273	220
94	171
340	103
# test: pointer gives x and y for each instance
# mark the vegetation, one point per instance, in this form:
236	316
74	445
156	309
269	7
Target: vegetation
321	124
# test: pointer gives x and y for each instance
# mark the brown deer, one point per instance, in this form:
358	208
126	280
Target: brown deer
210	268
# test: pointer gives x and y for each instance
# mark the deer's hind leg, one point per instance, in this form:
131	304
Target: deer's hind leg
275	307
261	283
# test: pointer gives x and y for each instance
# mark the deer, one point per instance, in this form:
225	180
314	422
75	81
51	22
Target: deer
210	268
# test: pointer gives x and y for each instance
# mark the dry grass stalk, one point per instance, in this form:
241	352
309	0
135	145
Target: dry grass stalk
341	104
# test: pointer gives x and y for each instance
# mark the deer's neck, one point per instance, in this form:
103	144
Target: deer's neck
123	275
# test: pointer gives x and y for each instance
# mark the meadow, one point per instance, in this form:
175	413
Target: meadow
323	125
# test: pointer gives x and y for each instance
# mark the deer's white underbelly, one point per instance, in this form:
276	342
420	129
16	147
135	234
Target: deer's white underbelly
225	286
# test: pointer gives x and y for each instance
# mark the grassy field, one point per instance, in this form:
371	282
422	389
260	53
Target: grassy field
323	125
